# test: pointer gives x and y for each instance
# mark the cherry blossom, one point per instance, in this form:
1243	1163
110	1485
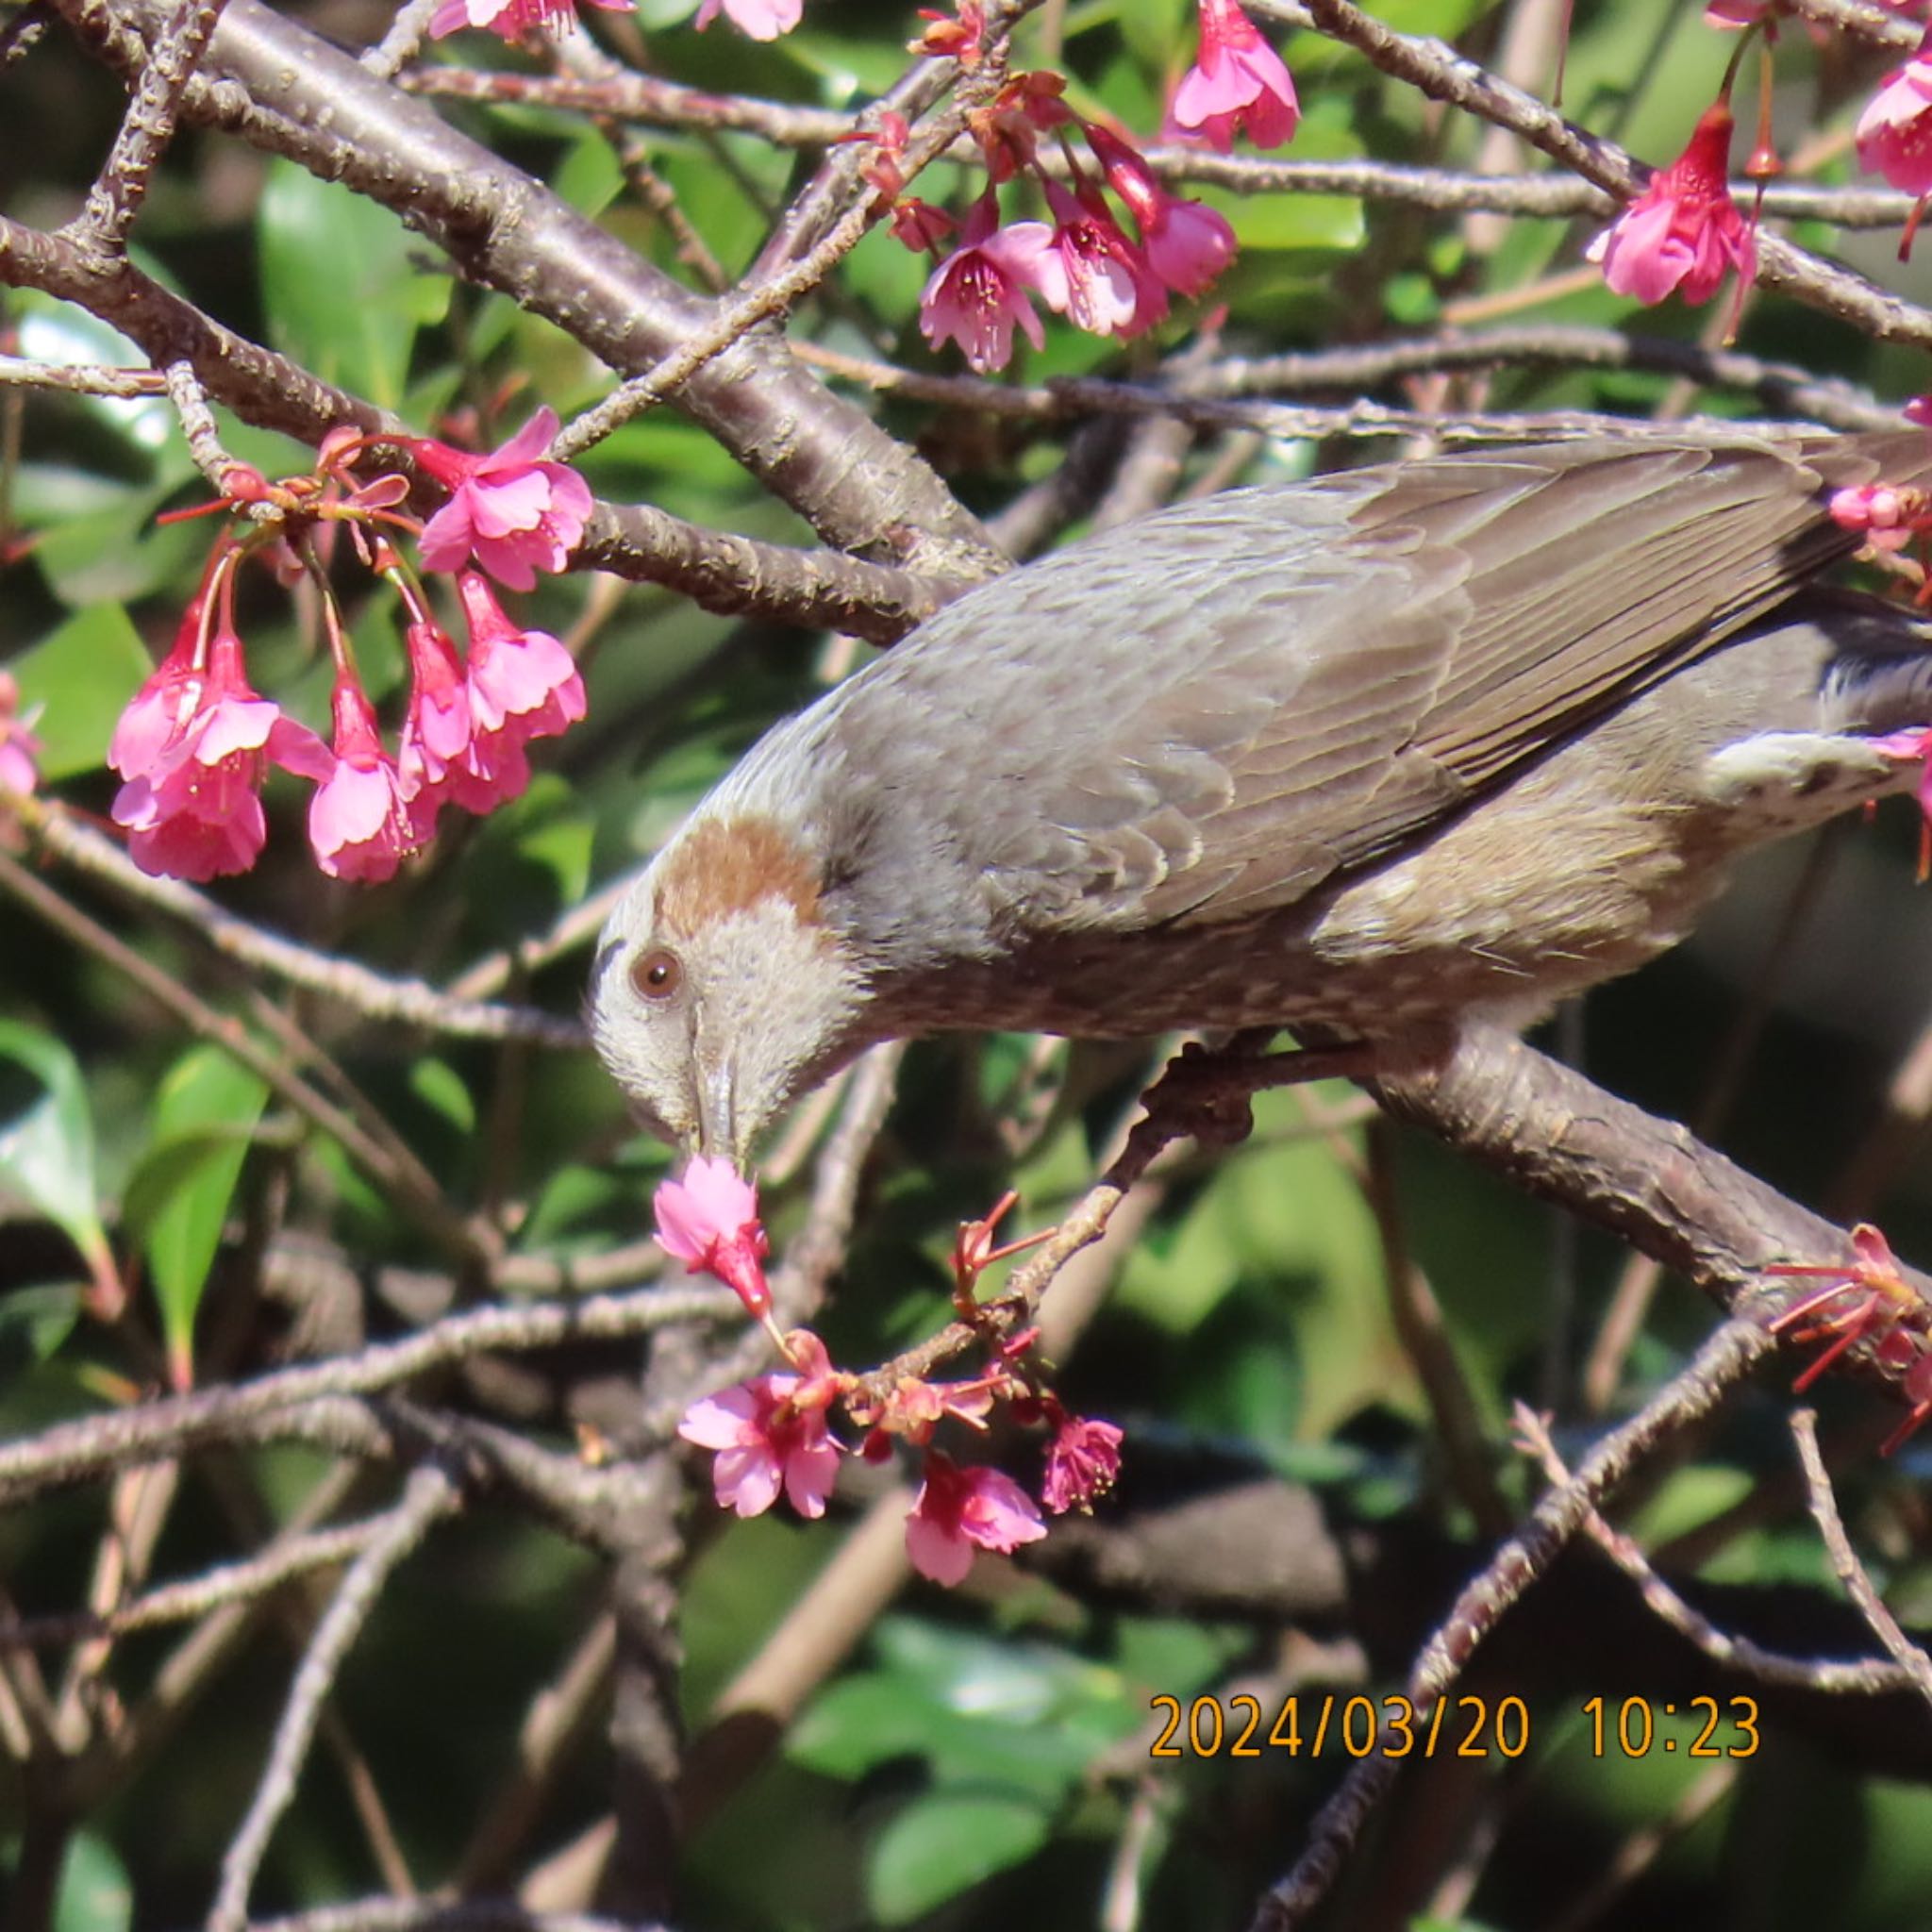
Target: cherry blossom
511	508
511	20
1099	286
360	822
1684	231
1894	133
958	1509
19	747
1185	243
1888	515
978	296
710	1222
1081	1463
962	39
920	225
437	727
1238	84
194	745
763	20
771	1434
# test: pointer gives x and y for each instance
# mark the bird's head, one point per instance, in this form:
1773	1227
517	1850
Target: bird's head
719	987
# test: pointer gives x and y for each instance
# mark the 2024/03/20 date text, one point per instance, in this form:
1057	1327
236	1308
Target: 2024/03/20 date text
1464	1727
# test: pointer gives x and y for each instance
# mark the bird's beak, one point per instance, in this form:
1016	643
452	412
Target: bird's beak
718	1135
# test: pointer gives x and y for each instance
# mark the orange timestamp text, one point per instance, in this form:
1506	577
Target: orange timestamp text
1240	1725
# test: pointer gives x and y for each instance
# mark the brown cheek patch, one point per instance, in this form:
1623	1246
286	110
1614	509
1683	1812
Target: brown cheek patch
726	866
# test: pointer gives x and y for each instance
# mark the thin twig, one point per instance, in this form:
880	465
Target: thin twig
1863	1676
120	188
1844	1559
177	1603
428	1495
1724	1359
73	1451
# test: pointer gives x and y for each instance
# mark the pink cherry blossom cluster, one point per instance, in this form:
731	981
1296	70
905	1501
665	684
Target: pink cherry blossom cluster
772	1434
1083	264
196	743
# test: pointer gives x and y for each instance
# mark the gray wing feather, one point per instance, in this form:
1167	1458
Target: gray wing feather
1208	712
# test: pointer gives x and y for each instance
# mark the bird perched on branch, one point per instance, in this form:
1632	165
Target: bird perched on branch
1451	737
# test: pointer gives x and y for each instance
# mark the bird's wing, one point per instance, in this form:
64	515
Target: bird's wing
1206	713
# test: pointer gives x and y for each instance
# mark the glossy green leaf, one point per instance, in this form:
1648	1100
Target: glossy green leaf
81	677
941	1844
50	330
117	553
47	1151
93	1894
341	284
1027	1718
205	1115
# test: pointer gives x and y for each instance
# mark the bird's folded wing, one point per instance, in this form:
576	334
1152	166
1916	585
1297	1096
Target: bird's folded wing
1208	713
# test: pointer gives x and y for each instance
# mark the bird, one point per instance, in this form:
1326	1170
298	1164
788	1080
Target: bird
1368	756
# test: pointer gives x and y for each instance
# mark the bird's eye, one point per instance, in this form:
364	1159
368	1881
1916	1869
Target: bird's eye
658	975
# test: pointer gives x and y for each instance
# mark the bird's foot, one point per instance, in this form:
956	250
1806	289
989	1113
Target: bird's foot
1207	1093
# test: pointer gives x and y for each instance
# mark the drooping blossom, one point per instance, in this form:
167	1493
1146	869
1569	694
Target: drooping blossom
194	745
1684	231
511	20
957	1510
920	225
519	685
1238	84
1082	1460
1894	133
769	1434
886	166
511	508
763	20
1007	128
1102	286
710	1222
438	724
359	821
19	747
978	295
1186	243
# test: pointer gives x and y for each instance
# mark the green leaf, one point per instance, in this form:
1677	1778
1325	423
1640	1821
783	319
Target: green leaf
82	677
47	1153
118	553
939	1846
34	1322
1027	1718
178	1195
93	1894
341	284
440	1087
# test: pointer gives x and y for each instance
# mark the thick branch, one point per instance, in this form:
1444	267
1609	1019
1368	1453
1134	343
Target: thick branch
293	94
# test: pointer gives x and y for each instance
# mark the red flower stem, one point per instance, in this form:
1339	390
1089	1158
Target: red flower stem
1736	61
341	654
